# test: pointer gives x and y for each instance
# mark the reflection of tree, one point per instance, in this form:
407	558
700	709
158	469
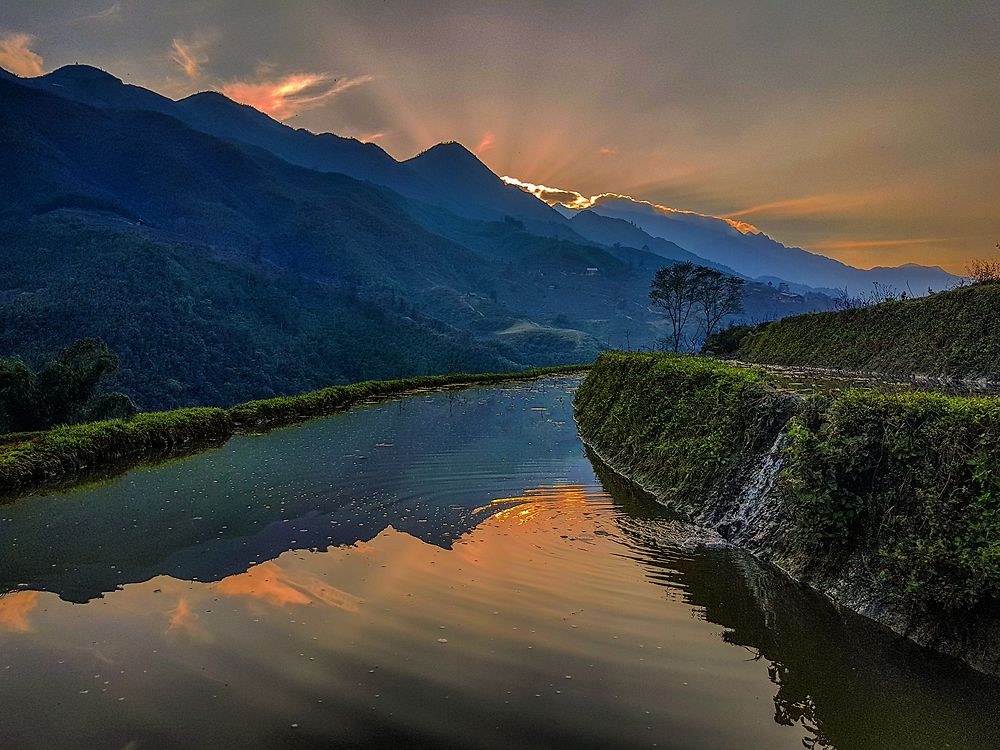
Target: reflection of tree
843	681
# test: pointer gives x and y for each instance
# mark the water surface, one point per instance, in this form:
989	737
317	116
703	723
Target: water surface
446	570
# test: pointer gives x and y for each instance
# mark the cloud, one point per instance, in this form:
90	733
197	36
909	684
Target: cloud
14	610
17	57
828	204
286	97
578	201
485	144
111	11
189	56
866	244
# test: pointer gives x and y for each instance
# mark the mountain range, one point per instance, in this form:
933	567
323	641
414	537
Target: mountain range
227	256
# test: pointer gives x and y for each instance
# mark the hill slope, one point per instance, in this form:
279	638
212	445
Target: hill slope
953	334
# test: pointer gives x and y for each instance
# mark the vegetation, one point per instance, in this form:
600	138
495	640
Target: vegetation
30	459
902	486
683	425
64	391
684	289
912	478
726	343
953	334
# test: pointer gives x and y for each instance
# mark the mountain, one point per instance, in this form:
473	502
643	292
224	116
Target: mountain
221	272
458	175
441	175
756	255
610	231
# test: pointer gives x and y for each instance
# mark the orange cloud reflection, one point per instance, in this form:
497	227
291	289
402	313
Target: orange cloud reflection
14	610
274	585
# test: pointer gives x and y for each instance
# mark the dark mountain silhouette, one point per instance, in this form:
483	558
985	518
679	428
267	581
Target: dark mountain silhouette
456	173
484	194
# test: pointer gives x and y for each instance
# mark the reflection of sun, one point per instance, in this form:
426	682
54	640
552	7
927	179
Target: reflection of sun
526	507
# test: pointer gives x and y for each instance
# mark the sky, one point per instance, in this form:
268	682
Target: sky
866	131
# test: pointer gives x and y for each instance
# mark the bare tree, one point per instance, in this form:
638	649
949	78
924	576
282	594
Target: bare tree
984	270
684	289
880	293
716	296
673	291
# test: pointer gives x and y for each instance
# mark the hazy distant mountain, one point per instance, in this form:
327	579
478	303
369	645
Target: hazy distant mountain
758	256
611	231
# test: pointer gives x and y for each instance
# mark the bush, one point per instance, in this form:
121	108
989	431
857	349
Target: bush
912	477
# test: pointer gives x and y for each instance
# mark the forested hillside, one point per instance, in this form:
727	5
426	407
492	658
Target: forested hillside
219	272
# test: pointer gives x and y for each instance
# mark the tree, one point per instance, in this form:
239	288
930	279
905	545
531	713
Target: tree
65	391
683	289
673	291
716	296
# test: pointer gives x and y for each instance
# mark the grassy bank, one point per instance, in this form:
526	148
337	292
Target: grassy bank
909	481
57	453
683	426
951	334
899	489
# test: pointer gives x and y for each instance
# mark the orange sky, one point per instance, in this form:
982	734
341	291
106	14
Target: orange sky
868	132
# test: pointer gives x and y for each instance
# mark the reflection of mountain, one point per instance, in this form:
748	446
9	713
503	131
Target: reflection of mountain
845	681
423	465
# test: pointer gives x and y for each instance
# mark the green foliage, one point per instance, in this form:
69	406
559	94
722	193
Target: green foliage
951	334
28	459
727	342
903	485
681	424
914	477
64	391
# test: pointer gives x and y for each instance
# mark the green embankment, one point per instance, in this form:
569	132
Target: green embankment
902	489
65	451
951	334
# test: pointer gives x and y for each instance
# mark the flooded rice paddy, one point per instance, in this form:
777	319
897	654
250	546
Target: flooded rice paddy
444	570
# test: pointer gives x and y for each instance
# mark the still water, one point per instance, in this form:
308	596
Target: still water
444	570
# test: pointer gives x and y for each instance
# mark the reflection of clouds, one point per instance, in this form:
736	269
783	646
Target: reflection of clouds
14	610
182	619
272	584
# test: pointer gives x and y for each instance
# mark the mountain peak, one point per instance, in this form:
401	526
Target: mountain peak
449	150
80	73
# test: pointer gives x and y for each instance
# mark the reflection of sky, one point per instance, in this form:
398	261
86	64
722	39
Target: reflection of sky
427	465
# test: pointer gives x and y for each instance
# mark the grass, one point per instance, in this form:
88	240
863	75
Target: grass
903	485
681	424
950	334
30	460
